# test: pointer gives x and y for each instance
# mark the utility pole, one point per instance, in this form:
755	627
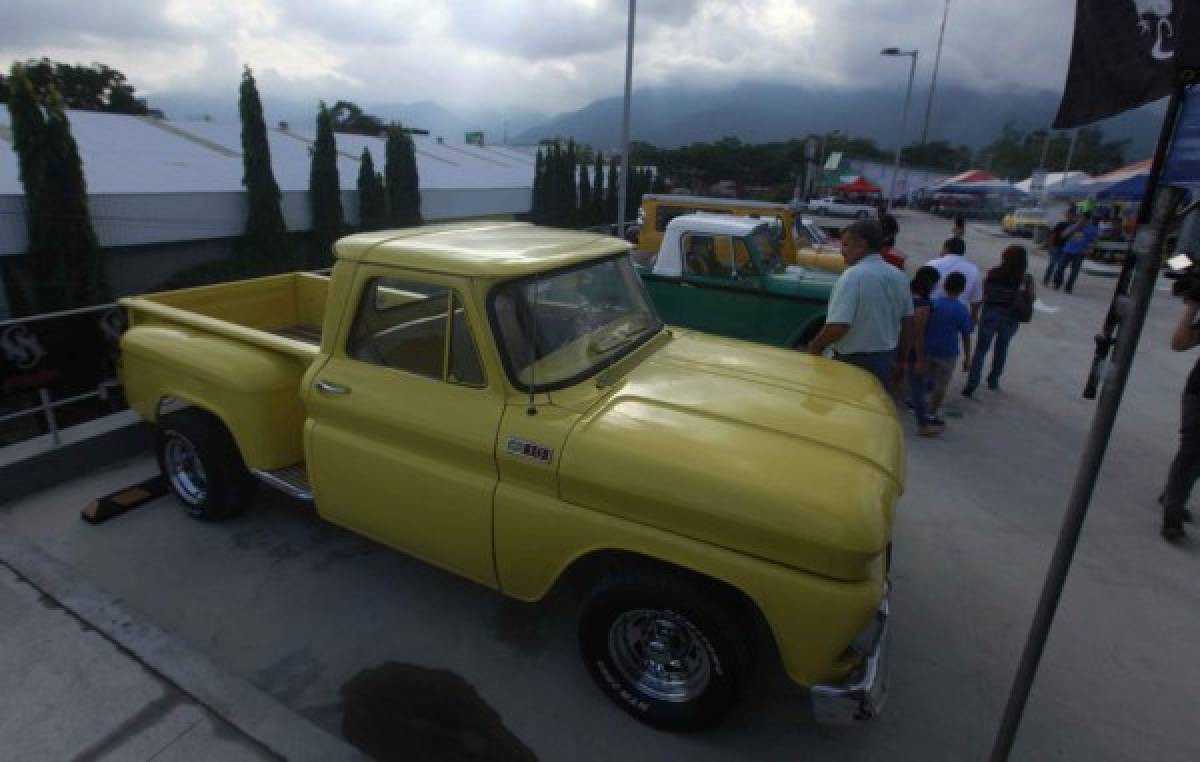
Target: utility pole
937	59
623	195
912	69
1071	151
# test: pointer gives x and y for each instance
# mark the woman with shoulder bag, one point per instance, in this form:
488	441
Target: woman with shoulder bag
1008	297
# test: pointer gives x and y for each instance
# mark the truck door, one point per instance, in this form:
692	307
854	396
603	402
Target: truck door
721	290
402	423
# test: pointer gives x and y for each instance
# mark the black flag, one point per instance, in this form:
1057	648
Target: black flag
1124	54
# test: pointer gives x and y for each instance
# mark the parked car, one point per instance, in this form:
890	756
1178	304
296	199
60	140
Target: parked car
724	275
504	401
836	207
798	244
1023	222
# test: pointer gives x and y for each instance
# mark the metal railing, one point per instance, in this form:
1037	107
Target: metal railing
47	407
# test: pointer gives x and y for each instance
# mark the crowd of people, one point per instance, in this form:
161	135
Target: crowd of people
912	331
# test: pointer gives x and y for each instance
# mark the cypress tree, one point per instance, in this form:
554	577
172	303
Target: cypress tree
400	179
585	197
325	192
29	136
537	211
570	189
614	190
372	205
86	278
598	202
266	232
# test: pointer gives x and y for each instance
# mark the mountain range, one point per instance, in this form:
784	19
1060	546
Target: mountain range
754	112
767	112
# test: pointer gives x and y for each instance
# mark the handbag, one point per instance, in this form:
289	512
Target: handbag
1022	308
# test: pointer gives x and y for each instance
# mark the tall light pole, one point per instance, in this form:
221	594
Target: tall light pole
912	69
937	59
623	195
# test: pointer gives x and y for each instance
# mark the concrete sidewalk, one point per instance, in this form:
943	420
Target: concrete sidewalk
89	679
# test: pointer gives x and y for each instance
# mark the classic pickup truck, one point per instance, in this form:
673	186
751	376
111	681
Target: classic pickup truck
502	400
725	275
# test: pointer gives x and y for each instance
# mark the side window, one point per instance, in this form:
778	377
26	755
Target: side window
416	328
742	259
700	255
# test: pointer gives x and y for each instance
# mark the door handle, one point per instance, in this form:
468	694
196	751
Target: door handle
326	387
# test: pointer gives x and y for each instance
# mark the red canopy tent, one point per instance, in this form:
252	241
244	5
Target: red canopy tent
859	185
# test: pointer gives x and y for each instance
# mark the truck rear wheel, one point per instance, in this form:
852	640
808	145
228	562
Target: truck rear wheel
665	649
202	466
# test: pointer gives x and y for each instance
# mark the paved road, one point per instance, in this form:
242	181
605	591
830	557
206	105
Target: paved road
316	617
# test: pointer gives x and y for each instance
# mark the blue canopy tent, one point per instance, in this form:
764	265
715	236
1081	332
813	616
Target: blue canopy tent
1129	189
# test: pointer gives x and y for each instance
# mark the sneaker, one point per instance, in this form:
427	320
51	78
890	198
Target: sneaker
935	421
929	430
1173	530
1187	516
1057	286
1067	290
968	392
993	385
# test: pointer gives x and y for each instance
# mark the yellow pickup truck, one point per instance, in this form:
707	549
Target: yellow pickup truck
501	400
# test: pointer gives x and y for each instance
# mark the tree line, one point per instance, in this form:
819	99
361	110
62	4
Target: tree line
63	266
574	187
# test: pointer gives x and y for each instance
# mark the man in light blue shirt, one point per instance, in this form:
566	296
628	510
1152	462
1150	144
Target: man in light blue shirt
870	308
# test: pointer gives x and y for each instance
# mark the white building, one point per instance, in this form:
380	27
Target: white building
167	195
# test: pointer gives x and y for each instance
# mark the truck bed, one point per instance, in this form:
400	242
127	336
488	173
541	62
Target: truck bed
288	307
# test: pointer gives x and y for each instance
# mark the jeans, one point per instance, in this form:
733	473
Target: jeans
996	323
916	393
1058	268
1055	257
1186	465
879	363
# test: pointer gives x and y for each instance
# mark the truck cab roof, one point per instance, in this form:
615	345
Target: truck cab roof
479	249
669	262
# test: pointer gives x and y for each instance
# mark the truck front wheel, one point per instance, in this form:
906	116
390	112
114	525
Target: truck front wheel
202	466
665	649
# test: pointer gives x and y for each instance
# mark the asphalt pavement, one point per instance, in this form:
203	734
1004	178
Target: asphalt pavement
314	625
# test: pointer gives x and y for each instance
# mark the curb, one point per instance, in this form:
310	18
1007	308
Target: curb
253	712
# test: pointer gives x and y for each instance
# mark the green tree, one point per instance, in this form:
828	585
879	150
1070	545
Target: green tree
63	259
29	138
598	201
585	197
372	201
348	117
614	189
570	188
325	192
89	88
400	179
265	243
537	210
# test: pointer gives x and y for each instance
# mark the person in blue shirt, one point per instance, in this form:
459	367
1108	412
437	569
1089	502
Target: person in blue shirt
1077	240
949	323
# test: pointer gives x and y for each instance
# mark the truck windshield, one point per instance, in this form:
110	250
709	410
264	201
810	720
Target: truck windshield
557	328
767	244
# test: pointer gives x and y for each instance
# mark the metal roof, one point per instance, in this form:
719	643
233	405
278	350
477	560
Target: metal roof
733	203
151	180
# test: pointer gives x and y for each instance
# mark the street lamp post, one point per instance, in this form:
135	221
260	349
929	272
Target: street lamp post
937	60
623	195
912	69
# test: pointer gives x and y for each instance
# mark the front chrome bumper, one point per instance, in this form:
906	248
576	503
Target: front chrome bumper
864	693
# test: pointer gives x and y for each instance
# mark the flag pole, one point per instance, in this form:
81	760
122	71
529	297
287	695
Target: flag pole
1145	256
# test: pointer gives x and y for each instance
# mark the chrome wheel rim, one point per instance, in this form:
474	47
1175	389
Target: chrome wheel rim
184	469
661	654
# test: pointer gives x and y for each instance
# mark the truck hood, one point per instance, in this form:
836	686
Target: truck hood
769	452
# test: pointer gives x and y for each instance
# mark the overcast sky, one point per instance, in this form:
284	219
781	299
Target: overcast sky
549	55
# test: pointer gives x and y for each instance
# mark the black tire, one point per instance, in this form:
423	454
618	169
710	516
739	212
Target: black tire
222	487
710	629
